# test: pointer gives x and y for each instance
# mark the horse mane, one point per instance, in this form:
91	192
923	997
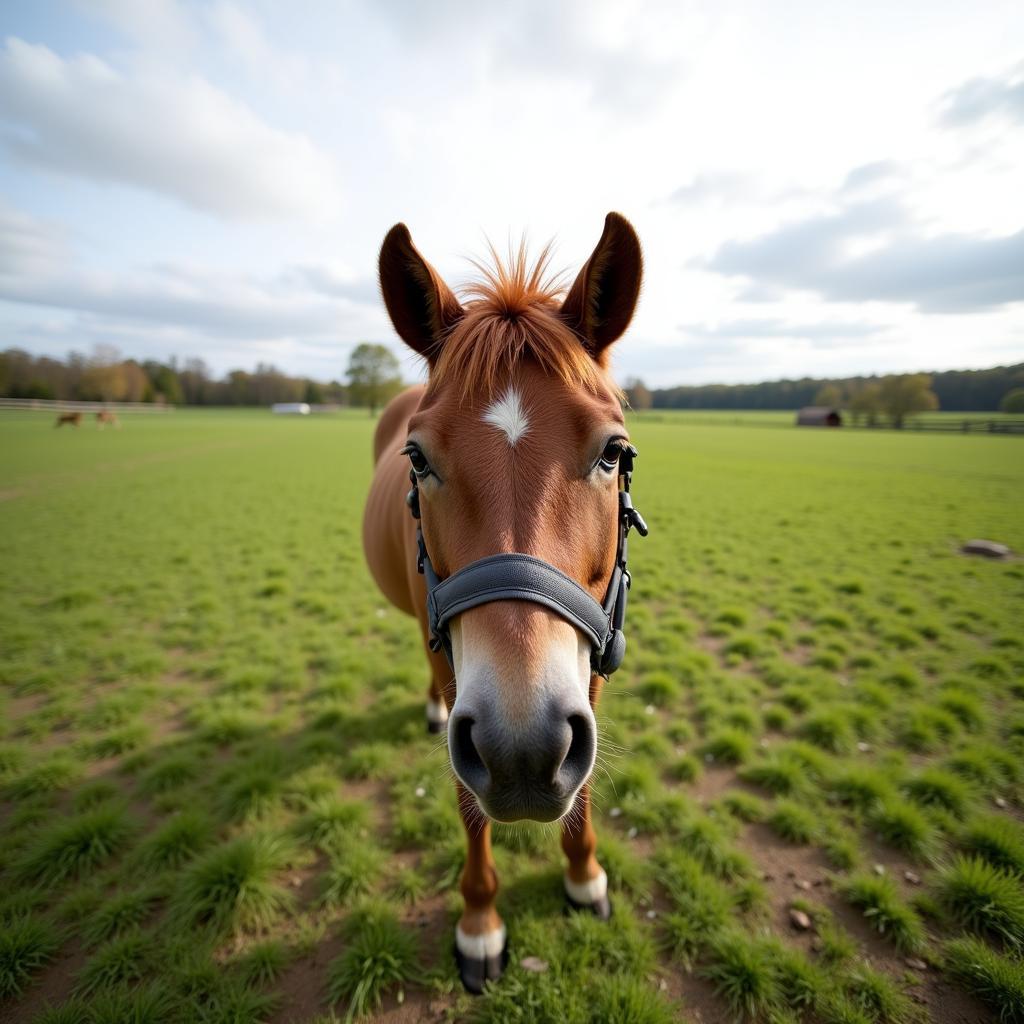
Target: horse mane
511	314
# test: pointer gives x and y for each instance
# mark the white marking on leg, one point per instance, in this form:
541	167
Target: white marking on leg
479	947
437	713
590	891
509	416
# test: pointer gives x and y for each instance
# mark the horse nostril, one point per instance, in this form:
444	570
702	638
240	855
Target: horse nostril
466	759
579	758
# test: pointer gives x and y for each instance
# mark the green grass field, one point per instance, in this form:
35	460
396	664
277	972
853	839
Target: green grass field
218	802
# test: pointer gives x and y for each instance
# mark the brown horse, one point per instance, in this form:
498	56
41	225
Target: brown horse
104	417
514	444
72	418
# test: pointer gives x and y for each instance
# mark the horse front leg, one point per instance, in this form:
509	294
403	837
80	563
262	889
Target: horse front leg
481	944
586	884
440	692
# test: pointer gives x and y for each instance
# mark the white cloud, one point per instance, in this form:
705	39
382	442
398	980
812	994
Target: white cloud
306	312
985	97
178	136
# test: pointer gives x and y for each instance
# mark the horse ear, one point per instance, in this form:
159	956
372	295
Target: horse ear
601	302
421	306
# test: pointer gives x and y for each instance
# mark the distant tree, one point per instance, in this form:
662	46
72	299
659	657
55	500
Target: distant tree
194	380
830	395
314	393
374	375
906	393
866	401
637	395
1013	401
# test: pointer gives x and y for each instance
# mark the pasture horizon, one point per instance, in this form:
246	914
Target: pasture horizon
199	683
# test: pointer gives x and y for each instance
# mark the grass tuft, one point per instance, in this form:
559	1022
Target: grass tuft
742	973
122	912
995	979
934	787
175	842
903	826
880	902
26	944
330	820
794	822
997	840
982	898
69	849
124	960
231	887
380	958
355	866
264	962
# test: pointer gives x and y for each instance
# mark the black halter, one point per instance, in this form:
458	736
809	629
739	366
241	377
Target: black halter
516	577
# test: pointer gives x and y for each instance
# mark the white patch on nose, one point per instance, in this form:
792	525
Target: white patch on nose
509	416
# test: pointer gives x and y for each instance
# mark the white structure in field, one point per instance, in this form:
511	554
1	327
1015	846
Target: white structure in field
290	408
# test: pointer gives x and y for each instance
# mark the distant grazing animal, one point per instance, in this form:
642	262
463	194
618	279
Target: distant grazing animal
105	416
73	418
513	558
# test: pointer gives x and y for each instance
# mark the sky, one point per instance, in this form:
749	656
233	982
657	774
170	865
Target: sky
821	189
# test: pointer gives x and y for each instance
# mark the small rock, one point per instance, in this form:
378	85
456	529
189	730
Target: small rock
912	877
663	985
533	963
649	710
1000	802
802	883
799	920
633	832
421	792
295	881
879	869
986	549
863	747
709	758
616	812
915	963
651	915
381	612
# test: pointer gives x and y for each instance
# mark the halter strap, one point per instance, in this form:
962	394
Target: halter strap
520	577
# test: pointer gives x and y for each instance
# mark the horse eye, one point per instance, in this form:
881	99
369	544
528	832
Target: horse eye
420	466
610	456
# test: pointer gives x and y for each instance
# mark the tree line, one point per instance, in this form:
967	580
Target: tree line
104	375
953	391
374	375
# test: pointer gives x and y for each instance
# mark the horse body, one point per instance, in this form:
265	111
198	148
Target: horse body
514	445
74	419
105	417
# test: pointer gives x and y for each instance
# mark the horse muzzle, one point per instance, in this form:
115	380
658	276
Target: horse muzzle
531	772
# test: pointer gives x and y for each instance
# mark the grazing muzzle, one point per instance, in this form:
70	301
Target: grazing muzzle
519	577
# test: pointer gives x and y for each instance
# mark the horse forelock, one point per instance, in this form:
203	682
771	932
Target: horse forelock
512	315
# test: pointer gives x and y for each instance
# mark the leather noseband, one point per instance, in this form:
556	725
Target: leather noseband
519	577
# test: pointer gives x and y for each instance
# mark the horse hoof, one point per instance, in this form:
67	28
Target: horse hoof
435	727
601	908
476	971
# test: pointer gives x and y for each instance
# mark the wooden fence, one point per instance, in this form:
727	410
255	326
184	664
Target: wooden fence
964	426
49	405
